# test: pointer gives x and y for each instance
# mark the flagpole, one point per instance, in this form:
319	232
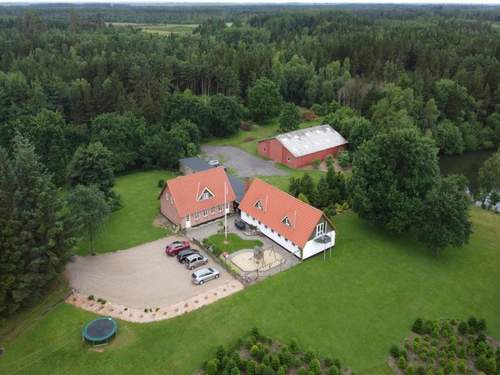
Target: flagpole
225	210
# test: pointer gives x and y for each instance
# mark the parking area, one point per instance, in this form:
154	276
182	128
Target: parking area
243	163
140	277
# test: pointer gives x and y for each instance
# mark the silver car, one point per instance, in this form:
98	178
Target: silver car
205	274
194	261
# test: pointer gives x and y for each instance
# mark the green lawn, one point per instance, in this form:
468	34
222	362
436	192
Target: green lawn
353	306
132	224
235	242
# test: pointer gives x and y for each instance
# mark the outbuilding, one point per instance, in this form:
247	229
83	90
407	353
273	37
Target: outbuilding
302	147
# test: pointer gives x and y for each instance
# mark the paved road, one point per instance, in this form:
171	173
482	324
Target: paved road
245	164
140	277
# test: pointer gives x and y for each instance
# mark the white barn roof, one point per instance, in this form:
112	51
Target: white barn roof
307	141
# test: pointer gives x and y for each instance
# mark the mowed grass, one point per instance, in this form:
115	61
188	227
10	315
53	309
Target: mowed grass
132	224
234	242
353	306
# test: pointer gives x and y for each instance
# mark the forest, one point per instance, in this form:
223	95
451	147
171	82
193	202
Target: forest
83	99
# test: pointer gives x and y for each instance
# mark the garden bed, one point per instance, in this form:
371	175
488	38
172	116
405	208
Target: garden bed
256	354
447	347
234	243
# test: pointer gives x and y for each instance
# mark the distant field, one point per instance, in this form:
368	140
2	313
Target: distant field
161	29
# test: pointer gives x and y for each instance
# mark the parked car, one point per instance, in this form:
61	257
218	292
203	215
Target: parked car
240	224
205	274
181	257
195	260
175	247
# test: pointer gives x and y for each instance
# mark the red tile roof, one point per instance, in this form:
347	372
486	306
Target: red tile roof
186	190
276	204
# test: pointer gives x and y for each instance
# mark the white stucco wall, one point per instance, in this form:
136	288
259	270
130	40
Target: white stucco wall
272	234
312	247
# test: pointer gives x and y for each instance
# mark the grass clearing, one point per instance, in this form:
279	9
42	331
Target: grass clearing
160	29
234	242
131	225
353	306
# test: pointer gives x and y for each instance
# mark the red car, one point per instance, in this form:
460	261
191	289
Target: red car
176	246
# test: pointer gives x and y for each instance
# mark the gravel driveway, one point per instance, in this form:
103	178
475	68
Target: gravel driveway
140	277
245	164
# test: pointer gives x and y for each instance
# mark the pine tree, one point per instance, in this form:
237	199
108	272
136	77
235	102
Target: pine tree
36	234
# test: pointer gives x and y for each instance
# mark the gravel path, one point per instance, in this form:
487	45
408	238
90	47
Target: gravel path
245	164
140	277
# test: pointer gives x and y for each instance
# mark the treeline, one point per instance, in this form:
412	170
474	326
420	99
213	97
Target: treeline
441	75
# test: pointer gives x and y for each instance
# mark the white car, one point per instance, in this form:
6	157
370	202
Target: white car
205	274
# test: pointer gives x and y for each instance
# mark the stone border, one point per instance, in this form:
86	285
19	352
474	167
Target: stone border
166	312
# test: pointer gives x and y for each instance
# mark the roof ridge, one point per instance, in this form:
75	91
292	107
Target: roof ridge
291	196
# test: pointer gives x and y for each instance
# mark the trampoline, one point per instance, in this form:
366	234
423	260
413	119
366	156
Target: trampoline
100	330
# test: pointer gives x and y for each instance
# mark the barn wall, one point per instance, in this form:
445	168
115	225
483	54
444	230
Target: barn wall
309	159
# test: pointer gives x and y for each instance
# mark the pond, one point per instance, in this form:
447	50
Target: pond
467	164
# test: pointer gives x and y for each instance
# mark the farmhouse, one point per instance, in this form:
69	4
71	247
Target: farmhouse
197	198
298	227
301	147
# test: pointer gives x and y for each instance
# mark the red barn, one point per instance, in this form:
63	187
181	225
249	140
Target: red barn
301	147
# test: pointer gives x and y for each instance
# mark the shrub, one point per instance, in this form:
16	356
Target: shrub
212	367
328	362
337	363
281	371
294	346
161	184
344	159
395	351
420	370
472	323
255	333
418	326
266	360
316	163
315	366
402	363
481	325
251	367
286	357
333	371
302	371
462	328
235	371
309	356
220	353
275	363
91	297
410	371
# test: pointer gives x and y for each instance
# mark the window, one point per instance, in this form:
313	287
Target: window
220	207
206	194
258	205
197	216
188	218
205	213
286	221
320	229
212	211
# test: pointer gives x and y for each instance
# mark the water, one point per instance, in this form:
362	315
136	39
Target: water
467	164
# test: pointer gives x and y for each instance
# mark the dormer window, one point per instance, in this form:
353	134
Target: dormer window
206	194
258	205
286	221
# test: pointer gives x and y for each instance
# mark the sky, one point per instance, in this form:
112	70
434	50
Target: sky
475	2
